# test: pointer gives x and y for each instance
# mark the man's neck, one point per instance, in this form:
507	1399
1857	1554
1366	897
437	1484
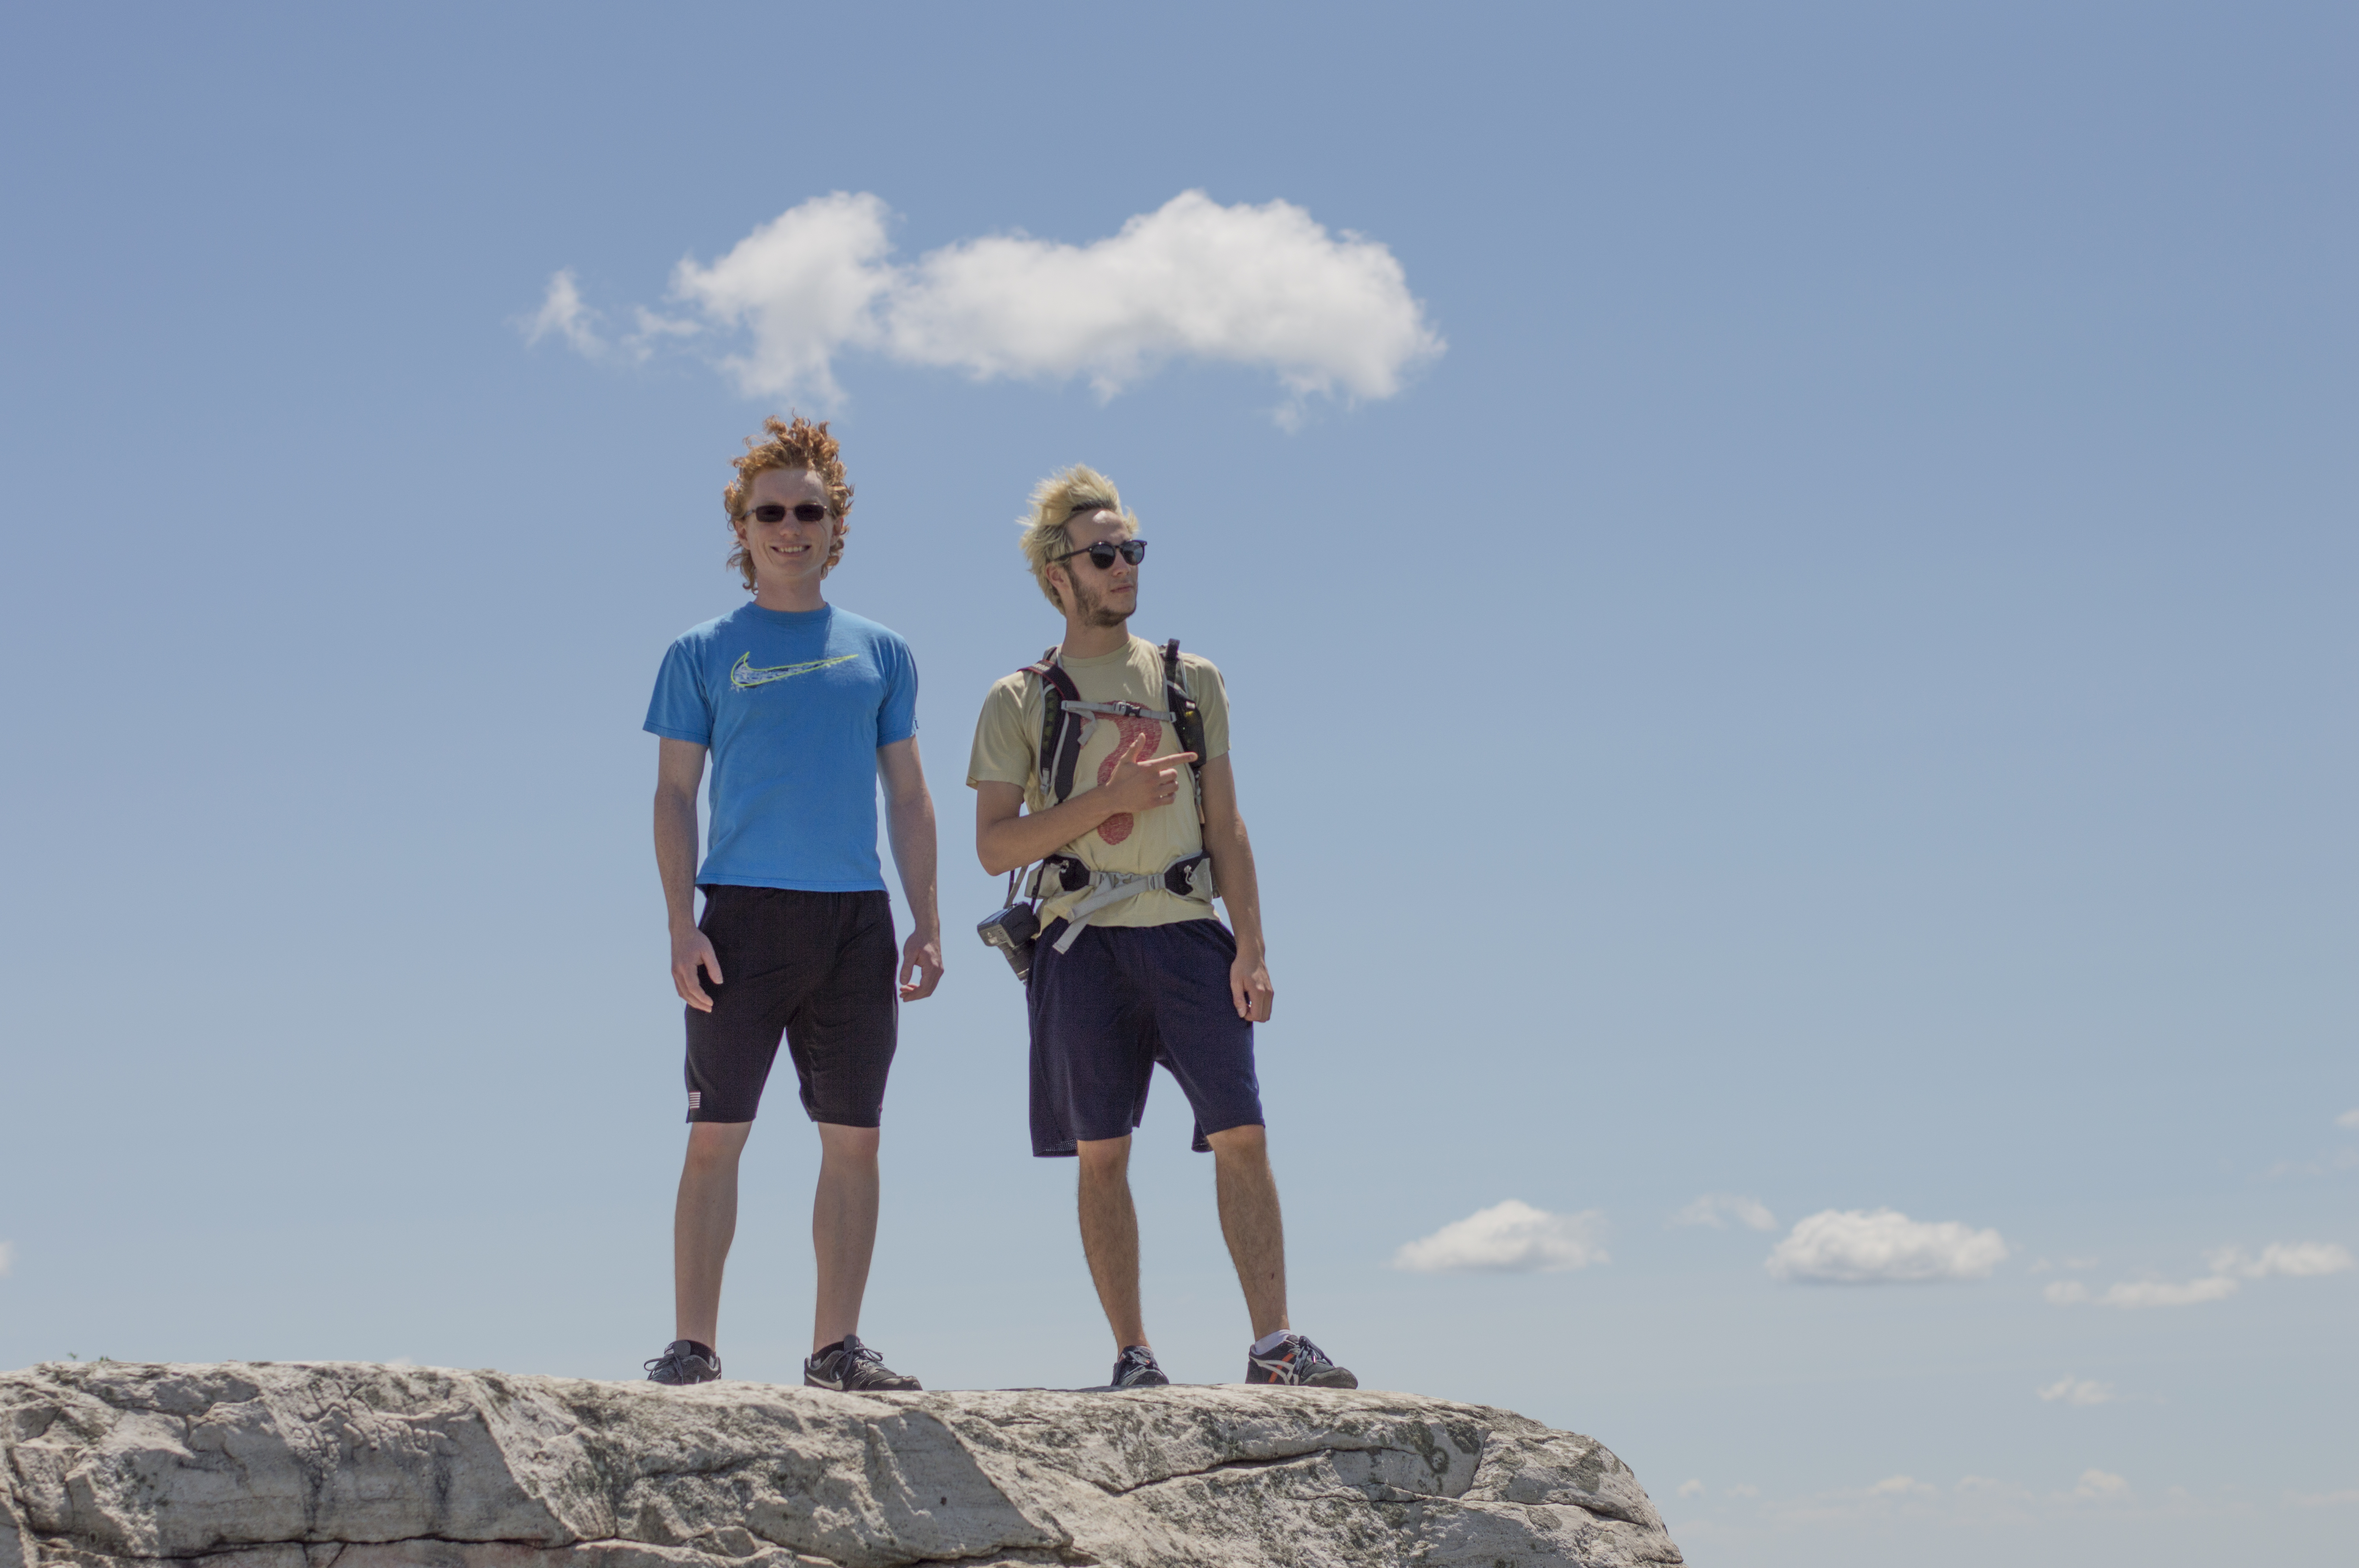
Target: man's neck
802	594
1093	641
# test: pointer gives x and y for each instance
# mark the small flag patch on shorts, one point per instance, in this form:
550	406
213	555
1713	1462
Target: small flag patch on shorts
696	1099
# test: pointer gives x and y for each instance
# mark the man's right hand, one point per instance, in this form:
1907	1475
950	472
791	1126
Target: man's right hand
690	948
1142	786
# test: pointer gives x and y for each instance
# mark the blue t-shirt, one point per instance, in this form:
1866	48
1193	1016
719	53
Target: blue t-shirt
793	705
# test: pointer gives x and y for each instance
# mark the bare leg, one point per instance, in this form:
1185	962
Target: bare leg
1250	1222
703	1223
1110	1236
844	1228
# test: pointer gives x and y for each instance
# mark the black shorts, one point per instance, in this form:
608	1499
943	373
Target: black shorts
821	968
1124	999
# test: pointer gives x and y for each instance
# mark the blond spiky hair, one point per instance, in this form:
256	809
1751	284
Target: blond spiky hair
1056	501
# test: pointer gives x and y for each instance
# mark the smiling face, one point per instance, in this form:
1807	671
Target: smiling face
789	555
1091	596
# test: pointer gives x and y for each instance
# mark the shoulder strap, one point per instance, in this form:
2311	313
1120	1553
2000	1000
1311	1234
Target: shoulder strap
1060	734
1188	720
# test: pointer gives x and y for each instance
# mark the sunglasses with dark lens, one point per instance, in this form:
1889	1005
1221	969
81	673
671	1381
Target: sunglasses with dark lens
1102	553
805	511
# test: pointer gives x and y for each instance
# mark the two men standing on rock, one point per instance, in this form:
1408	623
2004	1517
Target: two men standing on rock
802	707
1078	767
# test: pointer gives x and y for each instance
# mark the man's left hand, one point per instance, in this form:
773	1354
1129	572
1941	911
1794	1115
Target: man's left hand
921	958
1249	988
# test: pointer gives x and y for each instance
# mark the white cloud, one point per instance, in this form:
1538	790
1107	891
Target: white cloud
2294	1261
1511	1236
2077	1391
2348	1119
1692	1489
2100	1485
1902	1487
1262	285
2287	1260
563	313
1716	1209
1265	287
2138	1293
1856	1247
807	283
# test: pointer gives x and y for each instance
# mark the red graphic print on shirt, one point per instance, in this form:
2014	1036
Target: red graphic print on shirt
1116	829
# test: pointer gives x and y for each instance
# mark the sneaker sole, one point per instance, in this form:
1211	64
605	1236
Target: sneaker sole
1337	1377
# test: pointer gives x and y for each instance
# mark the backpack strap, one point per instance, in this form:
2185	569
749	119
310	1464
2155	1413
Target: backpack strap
1187	717
1060	732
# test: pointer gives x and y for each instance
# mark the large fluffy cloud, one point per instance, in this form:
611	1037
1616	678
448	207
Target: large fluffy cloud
1259	286
1511	1237
1860	1247
806	283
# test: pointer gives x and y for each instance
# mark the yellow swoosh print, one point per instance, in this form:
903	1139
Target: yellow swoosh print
743	674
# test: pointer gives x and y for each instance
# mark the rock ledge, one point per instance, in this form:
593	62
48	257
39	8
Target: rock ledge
344	1464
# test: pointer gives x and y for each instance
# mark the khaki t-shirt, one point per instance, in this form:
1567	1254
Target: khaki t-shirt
1007	751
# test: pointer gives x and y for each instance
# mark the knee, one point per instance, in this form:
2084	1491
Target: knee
1104	1159
1249	1143
849	1145
713	1148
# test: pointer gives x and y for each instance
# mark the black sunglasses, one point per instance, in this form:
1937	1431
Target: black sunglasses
1102	553
805	511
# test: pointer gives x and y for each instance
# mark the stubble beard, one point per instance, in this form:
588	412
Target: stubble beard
1095	614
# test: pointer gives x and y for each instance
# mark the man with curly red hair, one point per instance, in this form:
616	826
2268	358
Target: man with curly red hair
802	706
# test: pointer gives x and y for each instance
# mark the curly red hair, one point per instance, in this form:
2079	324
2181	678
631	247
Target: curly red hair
798	445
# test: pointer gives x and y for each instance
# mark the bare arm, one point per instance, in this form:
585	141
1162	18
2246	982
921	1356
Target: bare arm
680	769
1007	838
1232	874
909	825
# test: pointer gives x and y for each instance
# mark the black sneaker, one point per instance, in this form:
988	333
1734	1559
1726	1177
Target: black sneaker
1137	1369
685	1361
1296	1360
852	1367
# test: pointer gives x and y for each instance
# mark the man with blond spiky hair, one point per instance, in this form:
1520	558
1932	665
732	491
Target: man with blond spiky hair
1107	763
802	707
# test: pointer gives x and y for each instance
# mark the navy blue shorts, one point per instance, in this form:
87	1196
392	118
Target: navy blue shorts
819	967
1125	997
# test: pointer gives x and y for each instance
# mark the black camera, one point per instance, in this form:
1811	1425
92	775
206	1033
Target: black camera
1014	931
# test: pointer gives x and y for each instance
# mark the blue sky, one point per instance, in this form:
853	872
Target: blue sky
1831	688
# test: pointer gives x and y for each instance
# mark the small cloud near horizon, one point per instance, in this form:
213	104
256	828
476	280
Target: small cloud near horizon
2077	1391
2348	1119
2230	1267
1716	1209
1509	1238
1861	1247
2101	1486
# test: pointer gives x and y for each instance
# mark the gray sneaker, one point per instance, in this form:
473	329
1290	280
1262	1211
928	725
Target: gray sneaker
1296	1360
1137	1369
685	1361
850	1367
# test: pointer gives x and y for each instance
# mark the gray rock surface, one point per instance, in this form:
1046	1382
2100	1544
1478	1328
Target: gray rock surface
343	1465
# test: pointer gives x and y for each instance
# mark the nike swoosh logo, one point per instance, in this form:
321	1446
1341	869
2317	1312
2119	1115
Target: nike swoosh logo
743	674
